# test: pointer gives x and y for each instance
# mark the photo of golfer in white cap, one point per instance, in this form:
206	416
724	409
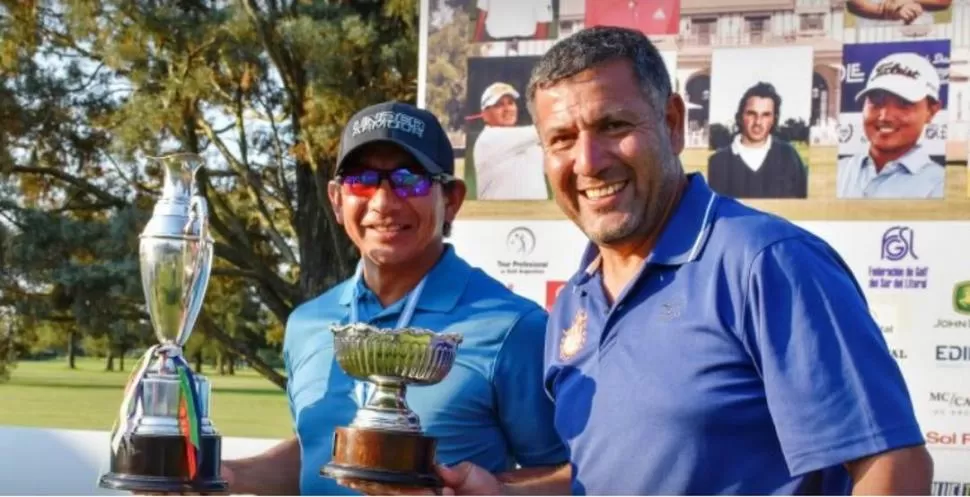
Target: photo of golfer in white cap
902	95
507	158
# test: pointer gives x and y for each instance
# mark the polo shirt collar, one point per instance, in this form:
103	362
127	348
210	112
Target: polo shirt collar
683	236
913	161
444	287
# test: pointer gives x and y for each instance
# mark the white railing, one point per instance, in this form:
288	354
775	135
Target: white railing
42	461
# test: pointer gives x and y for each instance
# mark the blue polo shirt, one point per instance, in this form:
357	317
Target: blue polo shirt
491	408
741	360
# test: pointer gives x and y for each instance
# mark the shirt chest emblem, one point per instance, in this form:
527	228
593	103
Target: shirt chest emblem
574	337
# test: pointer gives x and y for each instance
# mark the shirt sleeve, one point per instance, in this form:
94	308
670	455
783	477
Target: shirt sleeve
834	391
524	411
288	368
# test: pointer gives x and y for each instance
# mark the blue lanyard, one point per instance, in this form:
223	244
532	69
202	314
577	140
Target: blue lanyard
406	314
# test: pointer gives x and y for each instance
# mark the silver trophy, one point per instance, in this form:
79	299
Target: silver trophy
384	442
164	441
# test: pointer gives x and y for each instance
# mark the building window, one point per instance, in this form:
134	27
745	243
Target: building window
813	22
703	30
757	28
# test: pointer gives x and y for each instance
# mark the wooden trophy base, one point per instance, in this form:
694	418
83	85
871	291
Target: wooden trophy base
157	464
383	456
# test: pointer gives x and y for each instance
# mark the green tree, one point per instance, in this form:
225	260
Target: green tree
261	89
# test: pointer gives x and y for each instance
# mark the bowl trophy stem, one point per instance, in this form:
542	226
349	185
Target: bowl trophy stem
163	440
385	442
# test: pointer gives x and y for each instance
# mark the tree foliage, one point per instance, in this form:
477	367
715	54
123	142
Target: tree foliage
89	90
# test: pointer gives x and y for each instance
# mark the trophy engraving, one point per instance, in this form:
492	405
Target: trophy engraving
384	442
163	440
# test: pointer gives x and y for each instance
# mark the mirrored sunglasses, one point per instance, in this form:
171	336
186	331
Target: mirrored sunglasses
404	182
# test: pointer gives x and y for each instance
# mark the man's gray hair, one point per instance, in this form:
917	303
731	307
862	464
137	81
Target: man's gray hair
596	45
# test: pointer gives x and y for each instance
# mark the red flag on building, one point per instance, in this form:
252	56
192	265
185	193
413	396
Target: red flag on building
652	17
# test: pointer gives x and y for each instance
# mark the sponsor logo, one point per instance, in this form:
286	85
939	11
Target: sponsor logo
935	131
897	244
845	133
894	68
953	354
948	439
950	403
899	354
886	317
389	120
574	337
552	292
961	298
520	243
961	305
672	310
852	73
950	488
897	247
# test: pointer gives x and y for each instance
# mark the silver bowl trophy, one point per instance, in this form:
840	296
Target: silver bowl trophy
163	440
385	443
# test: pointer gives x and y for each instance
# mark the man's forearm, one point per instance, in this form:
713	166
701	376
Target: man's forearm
864	8
274	472
906	471
547	480
934	5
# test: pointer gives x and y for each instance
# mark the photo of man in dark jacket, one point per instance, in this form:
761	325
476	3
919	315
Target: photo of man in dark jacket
757	164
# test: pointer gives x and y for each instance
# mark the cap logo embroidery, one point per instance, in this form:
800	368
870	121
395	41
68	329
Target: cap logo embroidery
389	120
574	337
895	68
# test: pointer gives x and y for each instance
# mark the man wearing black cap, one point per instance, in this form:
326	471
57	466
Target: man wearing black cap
396	197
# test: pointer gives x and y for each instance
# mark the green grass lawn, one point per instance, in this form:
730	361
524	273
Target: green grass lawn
48	394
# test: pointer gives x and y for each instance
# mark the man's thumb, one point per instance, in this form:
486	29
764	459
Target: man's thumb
454	476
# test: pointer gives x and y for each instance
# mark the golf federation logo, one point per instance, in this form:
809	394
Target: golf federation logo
574	337
389	120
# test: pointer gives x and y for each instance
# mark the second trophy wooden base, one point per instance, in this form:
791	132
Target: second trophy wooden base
383	456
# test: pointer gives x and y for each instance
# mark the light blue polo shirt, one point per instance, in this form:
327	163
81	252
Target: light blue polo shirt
741	360
491	408
914	175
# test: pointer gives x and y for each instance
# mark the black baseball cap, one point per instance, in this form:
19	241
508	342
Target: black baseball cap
415	130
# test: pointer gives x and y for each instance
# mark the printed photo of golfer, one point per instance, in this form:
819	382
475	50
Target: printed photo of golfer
761	104
503	159
893	122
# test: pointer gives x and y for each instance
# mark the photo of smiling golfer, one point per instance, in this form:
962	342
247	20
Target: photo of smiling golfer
901	97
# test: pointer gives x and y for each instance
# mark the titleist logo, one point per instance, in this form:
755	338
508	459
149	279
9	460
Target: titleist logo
895	68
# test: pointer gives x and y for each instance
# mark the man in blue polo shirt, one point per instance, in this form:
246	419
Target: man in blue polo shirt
396	197
703	347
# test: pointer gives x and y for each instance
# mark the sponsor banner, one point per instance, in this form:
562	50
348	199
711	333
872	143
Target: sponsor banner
915	276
